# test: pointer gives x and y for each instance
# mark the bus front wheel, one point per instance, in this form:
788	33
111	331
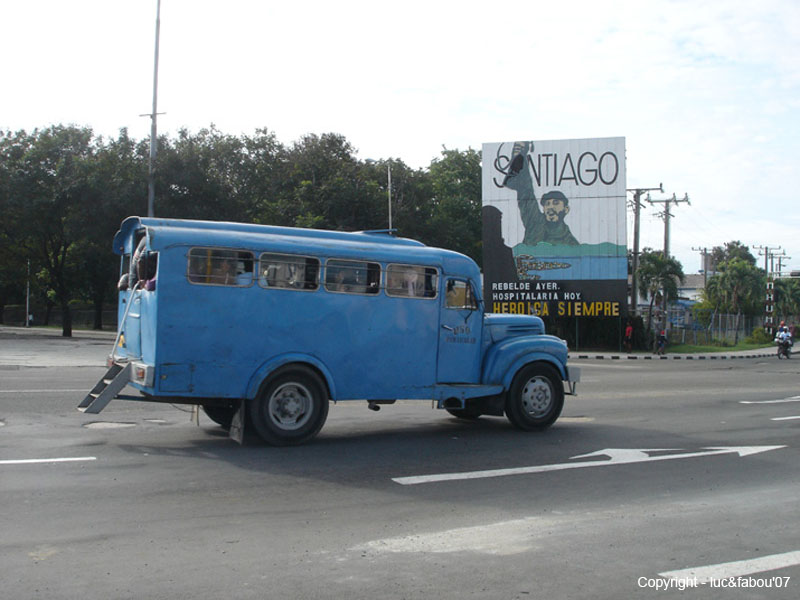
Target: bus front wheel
221	415
291	407
536	397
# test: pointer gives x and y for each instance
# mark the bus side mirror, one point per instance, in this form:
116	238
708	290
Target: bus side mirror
123	283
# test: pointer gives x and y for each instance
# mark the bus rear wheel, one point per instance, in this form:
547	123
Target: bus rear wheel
535	398
291	407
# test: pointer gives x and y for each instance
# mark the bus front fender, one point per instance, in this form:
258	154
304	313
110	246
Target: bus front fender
506	358
267	369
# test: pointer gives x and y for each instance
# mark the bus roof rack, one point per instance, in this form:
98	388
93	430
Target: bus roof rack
392	231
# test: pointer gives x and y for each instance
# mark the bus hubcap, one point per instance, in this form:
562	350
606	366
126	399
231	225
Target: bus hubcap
537	397
290	406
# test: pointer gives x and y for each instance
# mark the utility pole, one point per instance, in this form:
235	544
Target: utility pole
637	205
767	252
667	215
781	258
775	257
704	253
769	305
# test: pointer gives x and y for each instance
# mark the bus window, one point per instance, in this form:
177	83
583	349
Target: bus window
215	266
411	281
352	276
459	295
288	271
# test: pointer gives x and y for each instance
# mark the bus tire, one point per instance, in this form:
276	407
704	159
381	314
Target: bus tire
291	407
221	415
470	412
535	398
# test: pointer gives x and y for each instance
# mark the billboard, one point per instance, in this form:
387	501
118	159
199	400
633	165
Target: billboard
554	227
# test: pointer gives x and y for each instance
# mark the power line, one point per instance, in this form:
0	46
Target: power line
637	205
667	215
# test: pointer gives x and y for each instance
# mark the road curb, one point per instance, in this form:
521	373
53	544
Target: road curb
670	356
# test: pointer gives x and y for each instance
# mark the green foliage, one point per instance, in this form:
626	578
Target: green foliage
456	214
64	192
759	337
720	255
787	299
658	276
737	288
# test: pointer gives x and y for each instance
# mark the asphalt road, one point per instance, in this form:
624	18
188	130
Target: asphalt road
660	473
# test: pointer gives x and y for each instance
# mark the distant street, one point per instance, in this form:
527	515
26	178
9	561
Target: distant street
660	474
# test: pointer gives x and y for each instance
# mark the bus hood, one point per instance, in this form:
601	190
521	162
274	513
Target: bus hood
502	326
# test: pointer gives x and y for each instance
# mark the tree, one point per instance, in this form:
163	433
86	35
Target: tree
116	185
737	288
411	193
327	187
47	185
720	255
201	176
12	257
658	275
787	299
456	202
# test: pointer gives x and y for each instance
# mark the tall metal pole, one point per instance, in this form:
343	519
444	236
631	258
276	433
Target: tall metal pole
389	167
151	181
637	210
28	297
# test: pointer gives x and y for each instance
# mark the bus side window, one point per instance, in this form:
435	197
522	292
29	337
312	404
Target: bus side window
411	281
459	295
215	266
352	276
287	271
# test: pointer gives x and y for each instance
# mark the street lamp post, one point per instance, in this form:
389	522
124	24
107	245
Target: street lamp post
151	180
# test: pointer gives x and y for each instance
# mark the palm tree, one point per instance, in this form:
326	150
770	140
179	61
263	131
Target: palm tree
787	298
657	273
744	287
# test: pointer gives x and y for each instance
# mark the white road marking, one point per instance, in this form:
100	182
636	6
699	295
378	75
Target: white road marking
781	401
501	539
784	418
32	461
737	568
616	456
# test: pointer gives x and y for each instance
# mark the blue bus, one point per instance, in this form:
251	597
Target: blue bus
263	326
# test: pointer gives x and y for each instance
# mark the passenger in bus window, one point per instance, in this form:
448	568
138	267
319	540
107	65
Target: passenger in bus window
223	272
244	272
339	283
411	282
277	274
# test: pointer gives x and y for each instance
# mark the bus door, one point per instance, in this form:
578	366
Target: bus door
459	334
132	326
142	272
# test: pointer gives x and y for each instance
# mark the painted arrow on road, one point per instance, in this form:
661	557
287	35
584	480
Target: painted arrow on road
616	456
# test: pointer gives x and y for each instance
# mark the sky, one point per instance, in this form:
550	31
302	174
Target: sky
706	94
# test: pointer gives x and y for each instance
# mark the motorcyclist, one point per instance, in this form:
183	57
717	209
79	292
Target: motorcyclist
783	338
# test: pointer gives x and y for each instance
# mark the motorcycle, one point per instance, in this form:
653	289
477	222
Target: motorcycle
784	346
